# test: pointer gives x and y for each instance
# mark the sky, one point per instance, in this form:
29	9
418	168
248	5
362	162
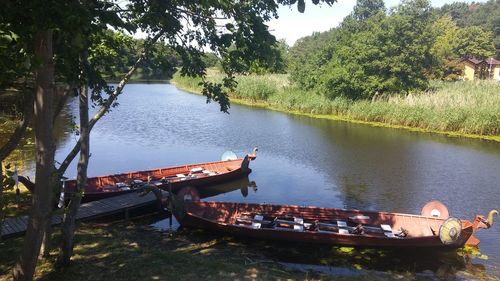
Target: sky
292	25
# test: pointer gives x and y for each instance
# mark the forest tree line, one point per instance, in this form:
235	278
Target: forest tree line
386	51
374	51
390	66
378	51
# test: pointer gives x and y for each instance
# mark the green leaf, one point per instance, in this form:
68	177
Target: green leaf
301	6
483	257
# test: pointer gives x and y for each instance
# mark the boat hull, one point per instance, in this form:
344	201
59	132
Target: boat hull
224	215
106	186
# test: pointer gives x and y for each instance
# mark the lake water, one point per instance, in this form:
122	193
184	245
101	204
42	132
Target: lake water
309	161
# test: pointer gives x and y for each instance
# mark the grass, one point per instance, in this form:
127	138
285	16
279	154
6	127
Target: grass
14	205
469	109
129	250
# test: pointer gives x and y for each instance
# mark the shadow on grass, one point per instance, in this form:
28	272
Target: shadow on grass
131	250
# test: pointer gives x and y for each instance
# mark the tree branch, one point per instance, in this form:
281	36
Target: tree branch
18	134
27	183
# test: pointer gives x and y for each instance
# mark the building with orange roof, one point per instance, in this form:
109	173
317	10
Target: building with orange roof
481	69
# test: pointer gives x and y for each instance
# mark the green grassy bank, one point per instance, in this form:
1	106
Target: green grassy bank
470	109
131	250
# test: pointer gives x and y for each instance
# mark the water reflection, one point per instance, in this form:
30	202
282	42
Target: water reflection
23	157
243	185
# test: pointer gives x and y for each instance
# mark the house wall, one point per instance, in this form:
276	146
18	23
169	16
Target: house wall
469	72
496	73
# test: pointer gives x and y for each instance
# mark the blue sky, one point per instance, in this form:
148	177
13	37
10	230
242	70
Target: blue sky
292	25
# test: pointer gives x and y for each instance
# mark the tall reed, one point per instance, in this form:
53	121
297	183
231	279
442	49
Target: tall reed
463	107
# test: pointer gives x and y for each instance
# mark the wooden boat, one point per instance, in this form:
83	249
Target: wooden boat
333	226
199	174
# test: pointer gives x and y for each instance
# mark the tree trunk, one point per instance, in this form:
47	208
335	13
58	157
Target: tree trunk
69	226
56	188
47	239
60	98
44	148
1	199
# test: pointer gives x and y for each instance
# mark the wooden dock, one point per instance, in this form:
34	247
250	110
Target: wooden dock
16	226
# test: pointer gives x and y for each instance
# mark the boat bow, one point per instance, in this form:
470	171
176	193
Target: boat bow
480	222
484	223
253	155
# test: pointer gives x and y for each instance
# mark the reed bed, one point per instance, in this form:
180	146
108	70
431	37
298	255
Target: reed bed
460	107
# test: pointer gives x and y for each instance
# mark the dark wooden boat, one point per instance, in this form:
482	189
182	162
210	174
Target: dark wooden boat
199	174
333	226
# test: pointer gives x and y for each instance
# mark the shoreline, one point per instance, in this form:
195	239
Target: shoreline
264	105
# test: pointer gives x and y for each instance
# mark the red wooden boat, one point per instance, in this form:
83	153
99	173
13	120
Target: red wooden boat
433	229
179	176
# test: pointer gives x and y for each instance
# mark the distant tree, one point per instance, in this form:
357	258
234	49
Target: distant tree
484	15
307	55
280	64
473	41
384	54
487	16
160	63
211	60
274	63
453	43
445	33
365	9
445	64
458	11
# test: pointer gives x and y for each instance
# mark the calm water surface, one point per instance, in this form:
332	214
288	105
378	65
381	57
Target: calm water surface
309	161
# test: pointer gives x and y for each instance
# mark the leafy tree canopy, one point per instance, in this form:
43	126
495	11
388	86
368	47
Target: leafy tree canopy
484	15
184	29
370	53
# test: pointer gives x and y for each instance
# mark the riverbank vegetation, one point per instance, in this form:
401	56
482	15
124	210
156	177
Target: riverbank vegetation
395	67
463	107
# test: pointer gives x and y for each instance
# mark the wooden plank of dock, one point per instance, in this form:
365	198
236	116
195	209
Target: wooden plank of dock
17	226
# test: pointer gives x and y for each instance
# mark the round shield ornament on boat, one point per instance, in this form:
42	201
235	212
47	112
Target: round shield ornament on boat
435	209
228	155
450	230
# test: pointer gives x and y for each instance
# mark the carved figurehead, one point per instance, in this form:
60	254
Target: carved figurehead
491	215
485	223
253	155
